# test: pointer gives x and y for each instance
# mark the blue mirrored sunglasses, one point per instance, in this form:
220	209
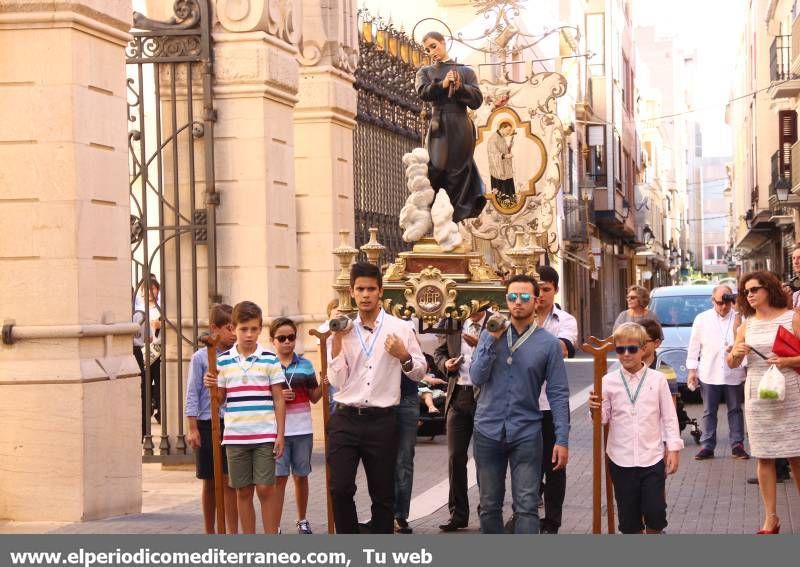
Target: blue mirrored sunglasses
524	297
633	349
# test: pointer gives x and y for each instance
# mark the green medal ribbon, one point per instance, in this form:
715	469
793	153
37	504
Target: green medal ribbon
628	390
519	342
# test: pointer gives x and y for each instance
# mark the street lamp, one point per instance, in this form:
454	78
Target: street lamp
782	189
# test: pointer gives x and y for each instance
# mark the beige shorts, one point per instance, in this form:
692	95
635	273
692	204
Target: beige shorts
250	464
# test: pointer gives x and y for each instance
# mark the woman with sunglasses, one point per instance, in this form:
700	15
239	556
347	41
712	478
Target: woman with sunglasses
300	390
773	427
638	299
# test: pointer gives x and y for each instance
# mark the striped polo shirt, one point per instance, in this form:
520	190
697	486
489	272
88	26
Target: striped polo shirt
301	378
249	411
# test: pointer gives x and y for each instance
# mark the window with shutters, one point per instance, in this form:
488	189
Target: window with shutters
787	124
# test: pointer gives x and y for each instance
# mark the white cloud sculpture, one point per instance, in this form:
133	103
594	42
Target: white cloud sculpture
417	218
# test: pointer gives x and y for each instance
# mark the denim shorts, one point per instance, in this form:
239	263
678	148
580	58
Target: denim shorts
296	458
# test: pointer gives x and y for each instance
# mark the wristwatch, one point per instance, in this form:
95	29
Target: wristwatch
408	364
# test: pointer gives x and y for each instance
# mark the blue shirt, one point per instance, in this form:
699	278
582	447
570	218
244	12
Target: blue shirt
508	403
198	397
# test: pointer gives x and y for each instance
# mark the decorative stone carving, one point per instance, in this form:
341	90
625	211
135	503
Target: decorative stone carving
279	18
329	35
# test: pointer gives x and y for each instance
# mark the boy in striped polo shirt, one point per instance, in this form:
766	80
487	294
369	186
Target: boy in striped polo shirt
250	380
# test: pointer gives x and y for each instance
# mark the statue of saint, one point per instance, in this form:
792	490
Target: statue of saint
451	88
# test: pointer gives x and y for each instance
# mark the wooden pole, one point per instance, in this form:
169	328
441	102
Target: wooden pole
599	350
323	373
219	493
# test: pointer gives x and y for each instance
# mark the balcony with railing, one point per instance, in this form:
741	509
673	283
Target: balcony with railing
781	198
796	45
576	220
784	82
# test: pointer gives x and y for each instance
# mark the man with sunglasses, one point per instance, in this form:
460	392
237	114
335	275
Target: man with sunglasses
712	335
511	366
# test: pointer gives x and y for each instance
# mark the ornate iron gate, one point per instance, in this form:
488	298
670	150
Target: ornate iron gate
171	161
387	127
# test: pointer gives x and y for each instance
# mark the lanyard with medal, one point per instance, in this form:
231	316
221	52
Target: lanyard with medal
368	350
519	342
242	367
628	390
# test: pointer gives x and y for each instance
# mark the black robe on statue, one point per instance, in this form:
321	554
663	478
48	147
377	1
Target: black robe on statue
451	138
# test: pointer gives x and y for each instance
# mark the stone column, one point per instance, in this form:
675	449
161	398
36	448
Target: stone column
70	428
256	90
324	120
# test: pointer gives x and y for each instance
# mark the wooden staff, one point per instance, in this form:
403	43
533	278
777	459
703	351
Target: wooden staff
210	341
323	373
599	349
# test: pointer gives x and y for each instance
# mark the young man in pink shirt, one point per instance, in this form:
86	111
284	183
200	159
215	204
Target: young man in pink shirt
637	404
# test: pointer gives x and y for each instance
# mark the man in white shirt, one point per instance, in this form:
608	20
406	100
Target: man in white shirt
365	368
564	327
453	357
712	333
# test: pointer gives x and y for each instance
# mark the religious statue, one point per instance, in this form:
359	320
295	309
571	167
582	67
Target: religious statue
450	142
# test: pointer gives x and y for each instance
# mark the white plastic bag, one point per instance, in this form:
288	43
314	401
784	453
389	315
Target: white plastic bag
772	385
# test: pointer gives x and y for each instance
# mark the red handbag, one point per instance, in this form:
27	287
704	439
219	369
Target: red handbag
786	344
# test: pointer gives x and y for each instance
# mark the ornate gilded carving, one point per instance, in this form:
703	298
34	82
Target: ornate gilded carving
396	271
430	295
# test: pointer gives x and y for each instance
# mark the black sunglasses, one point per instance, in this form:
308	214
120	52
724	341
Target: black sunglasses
284	338
753	290
633	349
721	303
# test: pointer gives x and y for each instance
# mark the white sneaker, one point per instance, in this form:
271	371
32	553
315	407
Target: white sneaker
303	527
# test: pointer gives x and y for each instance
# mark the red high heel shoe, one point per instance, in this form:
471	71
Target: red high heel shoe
775	530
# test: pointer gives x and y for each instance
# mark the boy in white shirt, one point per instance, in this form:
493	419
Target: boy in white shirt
638	406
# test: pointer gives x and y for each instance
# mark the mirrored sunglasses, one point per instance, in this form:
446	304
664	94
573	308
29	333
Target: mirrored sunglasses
523	297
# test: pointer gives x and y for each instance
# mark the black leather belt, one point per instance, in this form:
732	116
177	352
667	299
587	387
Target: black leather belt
459	387
354	410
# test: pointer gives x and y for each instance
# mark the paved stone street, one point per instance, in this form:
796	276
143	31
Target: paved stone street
703	497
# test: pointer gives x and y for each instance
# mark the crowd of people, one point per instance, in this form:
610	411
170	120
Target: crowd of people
506	393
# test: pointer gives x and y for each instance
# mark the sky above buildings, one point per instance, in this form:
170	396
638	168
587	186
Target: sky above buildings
714	28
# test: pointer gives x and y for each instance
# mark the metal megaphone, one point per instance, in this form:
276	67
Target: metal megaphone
496	322
340	323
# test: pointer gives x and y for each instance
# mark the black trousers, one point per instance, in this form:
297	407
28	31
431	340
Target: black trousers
639	492
554	483
371	439
460	422
139	356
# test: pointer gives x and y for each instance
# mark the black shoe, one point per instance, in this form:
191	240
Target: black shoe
704	454
752	480
510	525
738	452
778	478
365	528
452	526
401	526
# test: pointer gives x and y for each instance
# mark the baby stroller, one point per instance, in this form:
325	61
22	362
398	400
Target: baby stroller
432	424
672	363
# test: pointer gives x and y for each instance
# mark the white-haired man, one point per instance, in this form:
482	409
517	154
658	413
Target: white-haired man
712	334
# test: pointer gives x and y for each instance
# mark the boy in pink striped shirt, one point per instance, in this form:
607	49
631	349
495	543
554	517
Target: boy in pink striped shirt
638	407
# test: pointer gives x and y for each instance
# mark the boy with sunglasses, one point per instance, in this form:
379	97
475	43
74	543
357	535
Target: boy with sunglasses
511	366
637	404
300	390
